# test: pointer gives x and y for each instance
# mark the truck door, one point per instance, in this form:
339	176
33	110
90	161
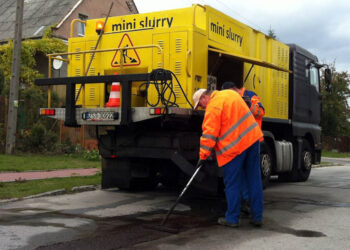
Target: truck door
315	97
301	88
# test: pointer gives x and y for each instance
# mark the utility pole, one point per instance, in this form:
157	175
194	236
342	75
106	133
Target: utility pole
14	82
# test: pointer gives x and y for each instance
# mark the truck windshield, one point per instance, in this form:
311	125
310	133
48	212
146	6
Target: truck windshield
314	80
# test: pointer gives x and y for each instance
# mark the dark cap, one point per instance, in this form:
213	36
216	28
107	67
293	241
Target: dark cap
229	85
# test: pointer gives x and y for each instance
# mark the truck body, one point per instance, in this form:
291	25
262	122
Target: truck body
160	59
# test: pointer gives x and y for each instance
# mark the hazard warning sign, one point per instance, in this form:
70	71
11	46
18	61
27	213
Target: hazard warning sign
129	57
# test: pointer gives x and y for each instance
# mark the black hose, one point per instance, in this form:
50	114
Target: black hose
162	87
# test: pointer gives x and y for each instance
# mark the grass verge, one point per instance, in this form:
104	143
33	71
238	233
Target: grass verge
335	154
19	189
21	163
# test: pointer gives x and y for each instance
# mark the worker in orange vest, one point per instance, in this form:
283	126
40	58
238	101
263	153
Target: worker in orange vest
229	129
253	102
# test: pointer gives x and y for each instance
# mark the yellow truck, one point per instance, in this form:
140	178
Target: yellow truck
159	60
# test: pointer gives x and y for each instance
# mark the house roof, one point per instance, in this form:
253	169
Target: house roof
37	15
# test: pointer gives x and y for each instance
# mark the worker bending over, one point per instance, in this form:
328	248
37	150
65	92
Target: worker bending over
230	129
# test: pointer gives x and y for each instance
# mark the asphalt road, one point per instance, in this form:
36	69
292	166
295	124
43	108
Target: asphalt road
310	215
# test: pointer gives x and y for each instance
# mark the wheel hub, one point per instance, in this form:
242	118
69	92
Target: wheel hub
307	160
266	165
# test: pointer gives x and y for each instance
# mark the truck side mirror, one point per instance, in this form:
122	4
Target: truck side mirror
328	79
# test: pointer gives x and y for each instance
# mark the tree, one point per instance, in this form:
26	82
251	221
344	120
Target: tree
335	108
31	97
271	33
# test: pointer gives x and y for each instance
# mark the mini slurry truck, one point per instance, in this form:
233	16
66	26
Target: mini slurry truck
152	64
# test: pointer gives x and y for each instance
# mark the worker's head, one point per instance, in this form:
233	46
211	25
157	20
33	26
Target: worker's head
230	85
201	98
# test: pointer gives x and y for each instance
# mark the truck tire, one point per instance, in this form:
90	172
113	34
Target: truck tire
265	164
306	162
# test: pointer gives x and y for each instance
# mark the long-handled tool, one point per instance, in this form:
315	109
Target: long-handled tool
163	228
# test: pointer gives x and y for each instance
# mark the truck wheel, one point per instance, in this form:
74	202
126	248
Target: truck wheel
306	163
265	164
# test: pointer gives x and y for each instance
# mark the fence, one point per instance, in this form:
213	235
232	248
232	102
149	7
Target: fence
339	143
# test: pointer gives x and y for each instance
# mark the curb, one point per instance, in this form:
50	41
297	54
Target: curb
85	188
49	193
77	189
330	164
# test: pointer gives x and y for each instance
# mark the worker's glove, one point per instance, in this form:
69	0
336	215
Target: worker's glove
247	100
201	162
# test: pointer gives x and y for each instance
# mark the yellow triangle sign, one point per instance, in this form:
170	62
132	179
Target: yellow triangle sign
129	57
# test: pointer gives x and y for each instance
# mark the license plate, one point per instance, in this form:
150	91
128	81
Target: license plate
98	116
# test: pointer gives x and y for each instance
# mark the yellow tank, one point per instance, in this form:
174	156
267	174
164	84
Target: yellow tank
200	45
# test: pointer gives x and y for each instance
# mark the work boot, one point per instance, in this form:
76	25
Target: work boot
224	222
256	223
245	208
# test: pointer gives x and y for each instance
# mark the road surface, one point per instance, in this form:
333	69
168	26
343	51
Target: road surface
310	215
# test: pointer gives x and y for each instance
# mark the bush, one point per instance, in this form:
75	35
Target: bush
66	148
38	139
91	155
37	136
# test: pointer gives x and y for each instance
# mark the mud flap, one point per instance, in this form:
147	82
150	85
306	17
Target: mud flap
206	181
210	183
186	166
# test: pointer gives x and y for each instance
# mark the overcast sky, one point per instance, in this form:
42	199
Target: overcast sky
321	26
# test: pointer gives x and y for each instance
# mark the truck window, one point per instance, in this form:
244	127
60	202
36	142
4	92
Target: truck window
314	80
81	26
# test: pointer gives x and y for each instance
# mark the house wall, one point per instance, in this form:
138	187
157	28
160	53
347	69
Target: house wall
95	9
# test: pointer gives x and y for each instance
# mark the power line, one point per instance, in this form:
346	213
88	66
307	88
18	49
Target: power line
244	18
236	13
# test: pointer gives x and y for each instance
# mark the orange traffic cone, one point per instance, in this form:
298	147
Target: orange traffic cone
114	96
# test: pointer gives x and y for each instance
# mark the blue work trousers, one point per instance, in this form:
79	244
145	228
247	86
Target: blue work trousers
244	187
246	164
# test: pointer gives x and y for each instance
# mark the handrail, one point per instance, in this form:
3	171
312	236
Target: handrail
187	59
194	13
60	59
108	50
53	55
72	25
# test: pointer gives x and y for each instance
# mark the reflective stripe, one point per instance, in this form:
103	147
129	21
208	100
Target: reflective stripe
235	126
235	142
211	137
206	147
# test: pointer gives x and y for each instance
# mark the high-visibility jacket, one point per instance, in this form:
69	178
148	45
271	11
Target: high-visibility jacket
228	127
256	107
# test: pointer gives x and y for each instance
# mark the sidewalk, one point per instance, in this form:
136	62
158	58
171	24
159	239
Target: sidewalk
36	175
